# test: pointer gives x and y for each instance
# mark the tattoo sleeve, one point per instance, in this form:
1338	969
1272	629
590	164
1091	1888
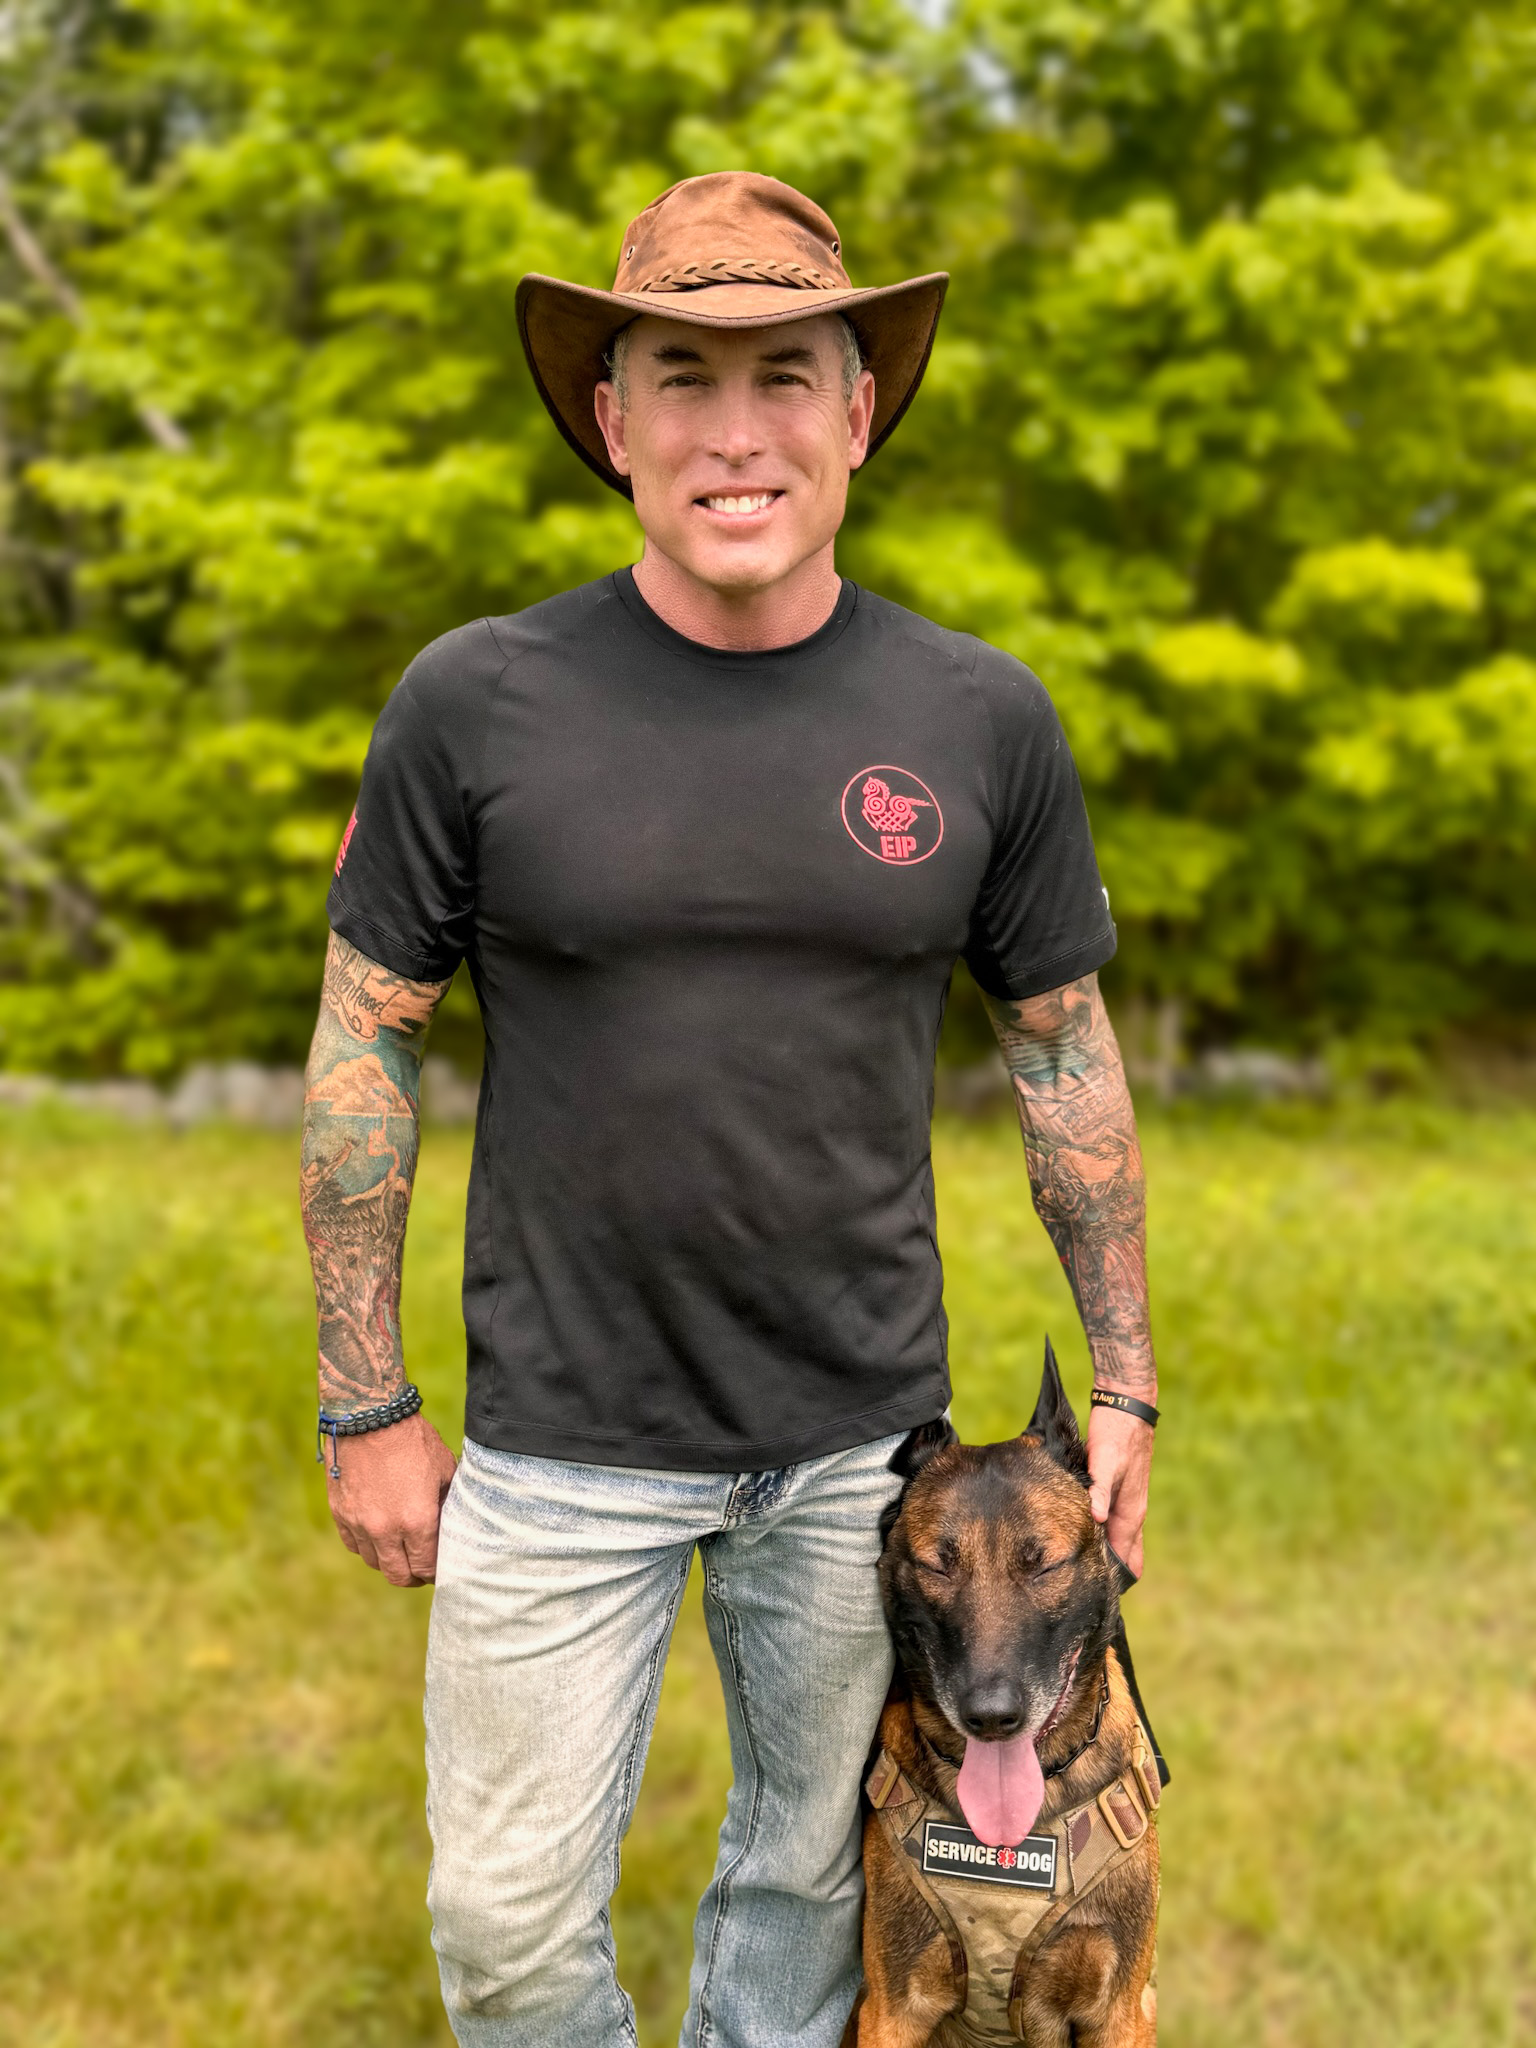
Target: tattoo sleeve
361	1134
1084	1166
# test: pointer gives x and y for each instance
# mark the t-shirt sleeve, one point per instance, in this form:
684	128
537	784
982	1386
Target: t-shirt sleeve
1041	916
404	889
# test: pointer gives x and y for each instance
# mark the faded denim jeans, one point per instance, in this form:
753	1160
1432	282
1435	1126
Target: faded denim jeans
557	1588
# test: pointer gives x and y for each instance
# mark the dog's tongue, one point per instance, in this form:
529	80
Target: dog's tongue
1000	1789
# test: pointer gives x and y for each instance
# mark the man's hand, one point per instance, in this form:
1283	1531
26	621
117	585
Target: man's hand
1085	1173
1120	1467
389	1498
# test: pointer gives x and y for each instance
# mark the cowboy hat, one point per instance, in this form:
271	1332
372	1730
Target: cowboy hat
731	249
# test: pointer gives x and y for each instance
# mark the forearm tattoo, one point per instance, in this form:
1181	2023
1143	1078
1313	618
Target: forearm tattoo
361	1135
1084	1166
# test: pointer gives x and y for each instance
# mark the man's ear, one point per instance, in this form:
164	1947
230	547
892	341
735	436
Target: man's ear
610	420
1055	1423
861	417
920	1445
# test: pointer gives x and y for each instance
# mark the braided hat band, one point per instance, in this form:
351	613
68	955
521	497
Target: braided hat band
738	270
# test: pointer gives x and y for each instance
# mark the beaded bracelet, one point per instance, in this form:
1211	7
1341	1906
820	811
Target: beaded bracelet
363	1423
1126	1404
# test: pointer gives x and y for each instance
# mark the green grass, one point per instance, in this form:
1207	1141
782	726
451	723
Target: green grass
210	1778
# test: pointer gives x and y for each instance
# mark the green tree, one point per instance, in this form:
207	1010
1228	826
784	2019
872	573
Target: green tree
1228	435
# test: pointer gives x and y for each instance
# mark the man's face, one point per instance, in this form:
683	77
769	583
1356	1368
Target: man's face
738	444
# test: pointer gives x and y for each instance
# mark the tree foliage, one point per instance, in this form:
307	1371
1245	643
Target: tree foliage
1228	434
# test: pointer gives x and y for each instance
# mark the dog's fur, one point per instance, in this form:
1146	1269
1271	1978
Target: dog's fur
1025	1580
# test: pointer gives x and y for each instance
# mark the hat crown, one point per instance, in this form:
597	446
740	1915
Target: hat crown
730	227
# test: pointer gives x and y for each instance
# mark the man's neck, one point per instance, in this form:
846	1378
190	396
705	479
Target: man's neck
744	621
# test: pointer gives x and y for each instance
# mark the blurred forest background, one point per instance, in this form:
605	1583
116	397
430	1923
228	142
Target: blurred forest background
1228	434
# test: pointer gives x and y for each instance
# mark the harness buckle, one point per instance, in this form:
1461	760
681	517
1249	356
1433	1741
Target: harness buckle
1123	1816
882	1780
1150	1784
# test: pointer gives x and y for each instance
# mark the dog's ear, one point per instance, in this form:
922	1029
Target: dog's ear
921	1444
915	1450
1055	1423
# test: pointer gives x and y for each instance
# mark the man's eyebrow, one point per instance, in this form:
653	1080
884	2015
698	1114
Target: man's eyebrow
680	352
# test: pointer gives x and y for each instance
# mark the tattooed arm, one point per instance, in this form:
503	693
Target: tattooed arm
1085	1172
359	1163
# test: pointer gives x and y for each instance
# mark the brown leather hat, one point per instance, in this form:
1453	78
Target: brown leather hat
732	249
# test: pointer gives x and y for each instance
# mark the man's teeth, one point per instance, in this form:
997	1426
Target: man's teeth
753	504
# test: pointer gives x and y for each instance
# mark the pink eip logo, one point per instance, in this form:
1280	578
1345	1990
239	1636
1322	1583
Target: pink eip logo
892	815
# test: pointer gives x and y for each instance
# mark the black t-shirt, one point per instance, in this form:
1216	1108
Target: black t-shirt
711	903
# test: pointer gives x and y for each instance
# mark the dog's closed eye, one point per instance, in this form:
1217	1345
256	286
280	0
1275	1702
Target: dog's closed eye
1035	1565
926	1564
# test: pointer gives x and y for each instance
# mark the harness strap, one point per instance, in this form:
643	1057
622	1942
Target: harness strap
901	1807
1101	1834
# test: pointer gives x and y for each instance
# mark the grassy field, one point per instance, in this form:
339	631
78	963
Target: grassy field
210	1779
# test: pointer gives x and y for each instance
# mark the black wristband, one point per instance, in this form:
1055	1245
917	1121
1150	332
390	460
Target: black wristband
1127	1404
364	1423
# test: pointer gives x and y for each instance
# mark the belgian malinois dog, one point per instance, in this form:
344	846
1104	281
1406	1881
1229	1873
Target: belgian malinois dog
1010	1851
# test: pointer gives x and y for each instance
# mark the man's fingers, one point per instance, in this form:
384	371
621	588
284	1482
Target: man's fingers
421	1552
1119	1459
403	1560
1106	1469
1124	1538
1128	1512
395	1563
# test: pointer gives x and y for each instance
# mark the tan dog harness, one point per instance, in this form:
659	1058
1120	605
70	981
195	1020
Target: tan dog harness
997	1906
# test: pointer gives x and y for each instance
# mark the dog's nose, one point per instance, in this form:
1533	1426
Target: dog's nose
993	1710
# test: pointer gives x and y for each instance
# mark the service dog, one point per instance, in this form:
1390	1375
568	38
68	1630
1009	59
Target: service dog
1010	1848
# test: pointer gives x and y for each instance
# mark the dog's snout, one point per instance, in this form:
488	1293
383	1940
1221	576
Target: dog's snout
992	1710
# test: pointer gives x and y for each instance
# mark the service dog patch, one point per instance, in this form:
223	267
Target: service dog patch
955	1852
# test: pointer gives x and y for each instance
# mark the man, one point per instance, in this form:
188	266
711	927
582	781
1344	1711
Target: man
711	835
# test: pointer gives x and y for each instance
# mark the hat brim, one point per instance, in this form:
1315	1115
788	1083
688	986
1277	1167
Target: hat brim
566	330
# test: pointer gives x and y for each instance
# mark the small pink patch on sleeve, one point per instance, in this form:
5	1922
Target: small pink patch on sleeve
346	841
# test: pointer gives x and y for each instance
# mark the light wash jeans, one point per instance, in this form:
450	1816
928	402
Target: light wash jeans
557	1588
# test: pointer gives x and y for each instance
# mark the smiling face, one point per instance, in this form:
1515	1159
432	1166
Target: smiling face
738	445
